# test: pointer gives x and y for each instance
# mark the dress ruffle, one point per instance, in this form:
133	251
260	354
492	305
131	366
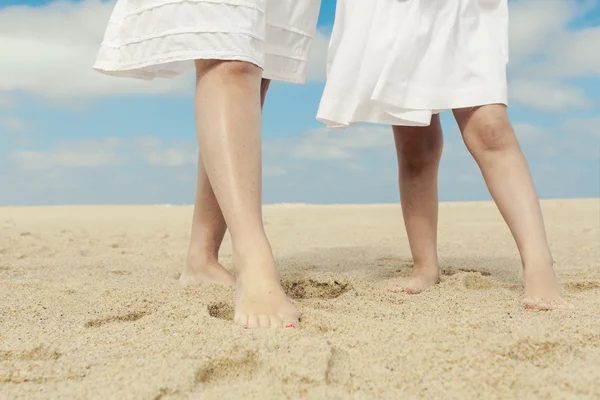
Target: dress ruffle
146	39
400	62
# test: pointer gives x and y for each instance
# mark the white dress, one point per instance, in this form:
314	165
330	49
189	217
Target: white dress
160	38
400	61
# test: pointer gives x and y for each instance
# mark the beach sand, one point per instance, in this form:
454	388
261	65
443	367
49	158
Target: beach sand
90	307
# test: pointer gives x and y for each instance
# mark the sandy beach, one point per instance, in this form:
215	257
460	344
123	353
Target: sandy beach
90	308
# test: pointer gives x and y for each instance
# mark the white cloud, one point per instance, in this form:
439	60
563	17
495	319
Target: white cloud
71	154
325	144
545	49
154	152
12	124
307	167
534	27
575	127
575	139
548	96
273	171
6	101
318	57
50	50
529	132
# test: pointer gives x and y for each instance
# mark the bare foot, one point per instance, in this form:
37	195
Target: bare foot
205	272
420	280
542	291
260	301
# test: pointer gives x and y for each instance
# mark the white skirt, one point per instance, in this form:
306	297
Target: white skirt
146	39
400	61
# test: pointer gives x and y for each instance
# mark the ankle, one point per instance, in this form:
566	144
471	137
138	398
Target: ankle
429	264
255	242
426	270
199	255
255	262
538	263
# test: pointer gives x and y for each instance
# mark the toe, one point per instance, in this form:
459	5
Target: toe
241	319
530	303
253	322
264	321
275	322
536	304
289	322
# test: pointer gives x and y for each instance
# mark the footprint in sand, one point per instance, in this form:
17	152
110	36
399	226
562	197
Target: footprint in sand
449	271
391	259
477	282
541	353
118	272
589	339
39	353
337	369
482	273
312	289
129	317
392	267
228	369
165	391
581	286
221	310
515	287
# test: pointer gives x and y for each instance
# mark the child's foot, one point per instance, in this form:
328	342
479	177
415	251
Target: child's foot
196	272
420	280
260	301
542	291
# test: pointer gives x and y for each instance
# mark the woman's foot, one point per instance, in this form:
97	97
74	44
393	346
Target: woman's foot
202	270
260	301
420	280
542	290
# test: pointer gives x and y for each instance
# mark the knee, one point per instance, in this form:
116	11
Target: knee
238	68
418	151
490	136
228	69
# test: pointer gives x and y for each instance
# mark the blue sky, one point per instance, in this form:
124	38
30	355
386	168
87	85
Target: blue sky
69	135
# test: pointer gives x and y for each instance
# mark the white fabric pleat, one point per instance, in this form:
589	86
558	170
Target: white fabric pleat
160	38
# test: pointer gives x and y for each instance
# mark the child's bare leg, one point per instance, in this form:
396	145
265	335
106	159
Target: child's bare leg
208	230
228	115
489	136
419	151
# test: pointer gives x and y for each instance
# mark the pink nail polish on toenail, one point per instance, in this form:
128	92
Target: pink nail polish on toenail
245	326
290	326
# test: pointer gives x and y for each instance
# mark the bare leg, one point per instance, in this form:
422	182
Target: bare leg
419	152
228	115
208	230
489	136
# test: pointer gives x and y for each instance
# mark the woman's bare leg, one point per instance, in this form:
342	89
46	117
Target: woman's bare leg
208	230
490	138
419	151
228	115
